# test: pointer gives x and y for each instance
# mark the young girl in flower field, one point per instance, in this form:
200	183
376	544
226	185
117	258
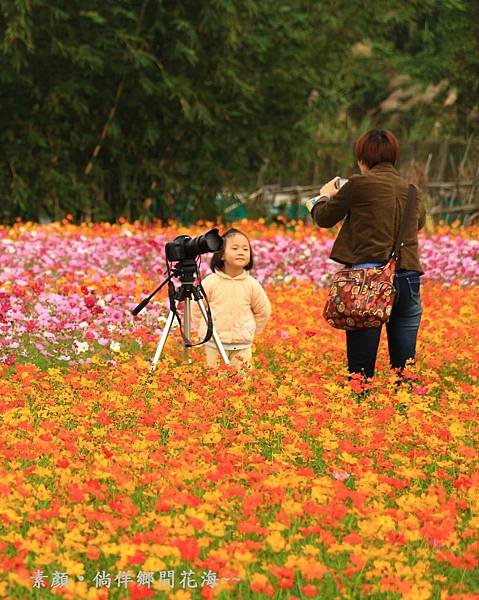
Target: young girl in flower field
239	306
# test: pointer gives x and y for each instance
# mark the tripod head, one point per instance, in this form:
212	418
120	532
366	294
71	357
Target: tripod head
186	270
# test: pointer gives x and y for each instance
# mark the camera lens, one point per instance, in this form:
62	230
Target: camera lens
185	247
211	241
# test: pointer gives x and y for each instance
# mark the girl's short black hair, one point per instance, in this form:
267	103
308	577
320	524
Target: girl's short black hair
217	262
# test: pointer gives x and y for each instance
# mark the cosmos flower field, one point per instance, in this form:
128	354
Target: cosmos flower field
291	482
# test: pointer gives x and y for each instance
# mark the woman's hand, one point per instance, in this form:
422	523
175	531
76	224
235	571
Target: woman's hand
329	189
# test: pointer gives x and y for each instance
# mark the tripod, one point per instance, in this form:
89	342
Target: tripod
185	270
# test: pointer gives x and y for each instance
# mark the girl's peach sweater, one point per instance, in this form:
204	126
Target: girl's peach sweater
239	306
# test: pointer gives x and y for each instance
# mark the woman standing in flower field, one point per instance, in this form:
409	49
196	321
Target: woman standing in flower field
239	305
372	205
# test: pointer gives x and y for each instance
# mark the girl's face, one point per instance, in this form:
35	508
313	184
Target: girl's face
237	252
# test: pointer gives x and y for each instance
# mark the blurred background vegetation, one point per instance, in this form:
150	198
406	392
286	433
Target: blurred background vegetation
164	109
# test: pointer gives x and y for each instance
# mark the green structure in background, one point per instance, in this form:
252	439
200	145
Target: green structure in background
230	207
295	212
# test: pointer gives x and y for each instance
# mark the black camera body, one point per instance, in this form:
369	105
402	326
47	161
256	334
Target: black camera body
185	247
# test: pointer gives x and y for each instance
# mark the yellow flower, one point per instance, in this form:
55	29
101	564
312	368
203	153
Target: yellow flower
411	572
419	591
244	557
153	563
180	595
43	472
276	526
321	489
74	568
283	391
211	438
457	430
382	567
412	535
164	551
309	549
80	589
328	440
42	493
215	527
348	458
276	541
110	549
259	579
309	567
376	526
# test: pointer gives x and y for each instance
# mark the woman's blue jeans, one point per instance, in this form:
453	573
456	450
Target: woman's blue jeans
402	327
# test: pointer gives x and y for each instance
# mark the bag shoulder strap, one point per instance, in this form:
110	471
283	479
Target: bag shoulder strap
411	196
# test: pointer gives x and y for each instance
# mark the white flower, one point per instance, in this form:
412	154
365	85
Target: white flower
115	346
80	347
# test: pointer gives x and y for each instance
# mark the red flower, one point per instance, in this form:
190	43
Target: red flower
463	481
124	506
285	583
90	301
140	591
137	559
310	591
93	553
196	523
189	549
352	538
75	494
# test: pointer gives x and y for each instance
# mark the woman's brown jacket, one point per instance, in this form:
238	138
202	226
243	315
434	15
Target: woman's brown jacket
372	205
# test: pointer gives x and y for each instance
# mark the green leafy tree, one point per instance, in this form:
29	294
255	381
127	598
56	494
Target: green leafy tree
153	108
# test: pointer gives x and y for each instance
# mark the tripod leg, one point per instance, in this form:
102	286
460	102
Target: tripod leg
216	337
187	326
161	345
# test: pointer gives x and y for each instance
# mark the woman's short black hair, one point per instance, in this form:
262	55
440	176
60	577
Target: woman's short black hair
217	262
377	146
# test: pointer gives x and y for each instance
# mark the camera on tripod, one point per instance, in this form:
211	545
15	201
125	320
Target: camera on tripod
183	251
185	247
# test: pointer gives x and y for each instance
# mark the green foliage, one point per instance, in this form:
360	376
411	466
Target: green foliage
151	108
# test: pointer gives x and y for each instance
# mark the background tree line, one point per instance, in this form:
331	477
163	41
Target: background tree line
142	108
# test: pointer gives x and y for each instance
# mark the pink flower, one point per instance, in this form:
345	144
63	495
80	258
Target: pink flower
341	475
